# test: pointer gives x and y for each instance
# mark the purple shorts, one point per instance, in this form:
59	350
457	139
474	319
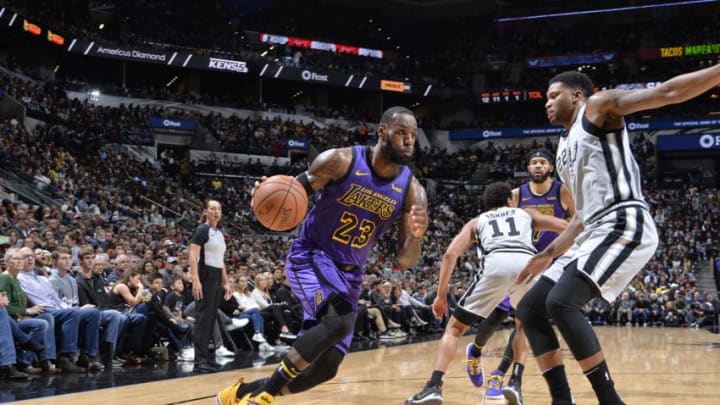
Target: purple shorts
505	305
314	278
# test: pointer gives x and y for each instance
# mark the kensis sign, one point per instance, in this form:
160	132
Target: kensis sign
228	65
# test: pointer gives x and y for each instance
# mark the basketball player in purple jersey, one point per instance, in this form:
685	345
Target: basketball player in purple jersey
361	192
550	197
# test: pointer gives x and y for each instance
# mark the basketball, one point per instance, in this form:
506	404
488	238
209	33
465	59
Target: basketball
280	203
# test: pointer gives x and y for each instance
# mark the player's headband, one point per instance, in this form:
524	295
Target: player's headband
541	154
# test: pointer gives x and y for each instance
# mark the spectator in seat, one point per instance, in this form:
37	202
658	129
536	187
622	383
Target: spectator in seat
181	330
8	356
641	312
655	313
671	316
598	312
123	333
73	321
624	312
122	265
248	308
174	305
270	311
40	330
293	311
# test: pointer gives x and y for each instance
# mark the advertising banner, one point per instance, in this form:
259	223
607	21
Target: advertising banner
677	51
578	59
479	134
297	144
317	76
632	126
172	123
391	85
319	45
668	143
673	124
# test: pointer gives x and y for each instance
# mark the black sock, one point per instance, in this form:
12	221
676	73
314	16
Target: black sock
558	384
603	384
436	379
250	387
476	350
284	374
517	373
504	365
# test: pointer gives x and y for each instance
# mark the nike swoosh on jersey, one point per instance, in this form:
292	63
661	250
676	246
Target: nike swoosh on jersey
526	198
360	174
396	188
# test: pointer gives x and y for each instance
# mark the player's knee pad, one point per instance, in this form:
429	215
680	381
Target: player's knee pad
321	370
328	365
487	327
571	292
532	306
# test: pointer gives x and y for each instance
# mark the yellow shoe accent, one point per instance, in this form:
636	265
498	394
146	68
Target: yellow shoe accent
262	399
474	366
228	396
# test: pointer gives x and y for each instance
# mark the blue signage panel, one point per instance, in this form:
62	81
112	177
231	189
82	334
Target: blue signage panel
298	144
688	142
564	60
673	124
504	133
172	123
478	134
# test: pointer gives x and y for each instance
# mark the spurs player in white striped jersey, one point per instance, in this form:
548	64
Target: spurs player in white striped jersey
504	242
612	227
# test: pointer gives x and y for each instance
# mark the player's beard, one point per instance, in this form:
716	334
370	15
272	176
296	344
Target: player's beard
539	179
393	155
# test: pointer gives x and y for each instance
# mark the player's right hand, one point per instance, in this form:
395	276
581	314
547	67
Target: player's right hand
535	266
440	307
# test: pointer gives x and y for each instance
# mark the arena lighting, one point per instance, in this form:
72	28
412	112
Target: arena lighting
604	10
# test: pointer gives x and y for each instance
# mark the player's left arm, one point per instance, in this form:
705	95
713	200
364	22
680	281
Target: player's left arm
567	201
606	109
413	223
543	222
515	197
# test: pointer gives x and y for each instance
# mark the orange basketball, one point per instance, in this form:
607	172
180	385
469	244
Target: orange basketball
280	203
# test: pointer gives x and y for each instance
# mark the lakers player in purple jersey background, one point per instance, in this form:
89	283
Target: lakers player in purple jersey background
359	193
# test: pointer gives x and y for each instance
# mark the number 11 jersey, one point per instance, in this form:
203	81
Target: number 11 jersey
504	229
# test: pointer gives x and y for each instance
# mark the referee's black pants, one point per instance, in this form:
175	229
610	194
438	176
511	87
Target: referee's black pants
211	280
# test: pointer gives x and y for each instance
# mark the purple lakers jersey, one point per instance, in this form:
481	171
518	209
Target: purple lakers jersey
548	204
351	213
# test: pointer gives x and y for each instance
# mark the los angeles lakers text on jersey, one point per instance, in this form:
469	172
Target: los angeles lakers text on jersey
369	200
545	209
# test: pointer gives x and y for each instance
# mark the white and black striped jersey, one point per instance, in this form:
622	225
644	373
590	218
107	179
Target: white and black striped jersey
504	229
598	168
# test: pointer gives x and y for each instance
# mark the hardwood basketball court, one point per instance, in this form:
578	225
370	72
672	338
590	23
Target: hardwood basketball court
649	365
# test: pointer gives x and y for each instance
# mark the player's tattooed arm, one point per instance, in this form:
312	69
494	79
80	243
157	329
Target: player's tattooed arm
327	167
413	223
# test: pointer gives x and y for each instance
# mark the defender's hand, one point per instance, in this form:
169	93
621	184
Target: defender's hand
535	266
